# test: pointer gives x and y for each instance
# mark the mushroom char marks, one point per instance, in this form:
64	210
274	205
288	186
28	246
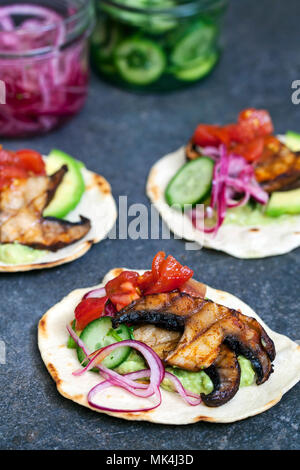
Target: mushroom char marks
225	375
206	326
21	219
278	169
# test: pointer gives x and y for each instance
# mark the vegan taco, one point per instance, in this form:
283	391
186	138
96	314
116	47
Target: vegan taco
162	347
248	181
52	209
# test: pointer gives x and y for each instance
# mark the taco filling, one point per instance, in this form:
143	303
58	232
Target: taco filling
158	329
35	195
236	171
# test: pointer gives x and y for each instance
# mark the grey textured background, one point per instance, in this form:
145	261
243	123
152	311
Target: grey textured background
121	135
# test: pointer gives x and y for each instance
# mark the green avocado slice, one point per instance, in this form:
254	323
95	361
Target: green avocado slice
292	140
284	202
70	191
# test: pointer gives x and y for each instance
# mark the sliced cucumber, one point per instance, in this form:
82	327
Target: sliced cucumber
191	184
69	192
200	69
104	40
99	333
194	44
140	61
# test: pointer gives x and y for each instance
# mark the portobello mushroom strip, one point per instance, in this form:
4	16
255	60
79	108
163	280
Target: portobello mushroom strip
212	337
21	215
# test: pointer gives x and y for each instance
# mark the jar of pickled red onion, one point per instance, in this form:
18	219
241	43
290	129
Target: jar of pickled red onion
44	69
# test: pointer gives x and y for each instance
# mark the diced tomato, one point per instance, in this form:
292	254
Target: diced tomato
252	150
157	264
258	119
88	310
193	288
172	275
150	277
210	135
31	161
122	290
8	172
252	123
8	158
18	165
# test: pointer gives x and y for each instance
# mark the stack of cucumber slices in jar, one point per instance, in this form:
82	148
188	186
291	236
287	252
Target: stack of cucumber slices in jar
140	49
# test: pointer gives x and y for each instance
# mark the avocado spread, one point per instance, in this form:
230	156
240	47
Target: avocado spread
248	216
196	382
14	253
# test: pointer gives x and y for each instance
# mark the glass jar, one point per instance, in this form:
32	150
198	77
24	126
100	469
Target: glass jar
43	63
156	45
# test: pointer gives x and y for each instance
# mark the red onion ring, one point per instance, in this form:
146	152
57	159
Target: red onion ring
156	373
107	384
232	175
157	370
185	394
95	293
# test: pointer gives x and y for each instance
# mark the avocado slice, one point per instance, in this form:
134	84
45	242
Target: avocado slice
292	141
284	202
70	191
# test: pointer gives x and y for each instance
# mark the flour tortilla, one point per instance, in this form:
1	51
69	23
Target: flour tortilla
98	205
61	362
257	241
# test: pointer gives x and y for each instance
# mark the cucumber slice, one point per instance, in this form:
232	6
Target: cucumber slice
69	192
191	184
194	44
104	40
140	61
199	70
99	333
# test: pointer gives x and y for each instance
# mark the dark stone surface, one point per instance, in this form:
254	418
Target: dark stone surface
121	135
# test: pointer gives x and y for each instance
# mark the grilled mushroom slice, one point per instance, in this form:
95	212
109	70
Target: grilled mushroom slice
278	169
206	326
225	374
21	220
191	150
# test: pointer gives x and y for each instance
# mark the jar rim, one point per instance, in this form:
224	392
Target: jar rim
81	19
180	8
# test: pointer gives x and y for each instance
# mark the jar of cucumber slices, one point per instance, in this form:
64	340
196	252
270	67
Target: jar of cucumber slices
156	45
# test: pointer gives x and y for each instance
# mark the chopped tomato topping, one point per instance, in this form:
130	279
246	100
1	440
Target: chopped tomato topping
245	137
167	275
19	165
10	173
209	135
88	310
259	120
31	160
122	290
252	150
193	288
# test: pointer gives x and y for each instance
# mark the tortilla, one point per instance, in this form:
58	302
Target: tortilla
257	241
61	362
98	205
